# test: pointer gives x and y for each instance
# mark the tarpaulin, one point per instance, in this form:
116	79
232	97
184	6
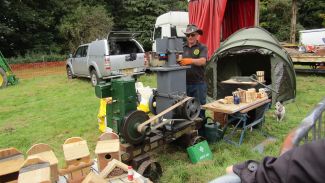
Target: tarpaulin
238	14
208	15
212	16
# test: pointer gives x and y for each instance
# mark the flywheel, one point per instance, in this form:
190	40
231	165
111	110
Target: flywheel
129	130
191	109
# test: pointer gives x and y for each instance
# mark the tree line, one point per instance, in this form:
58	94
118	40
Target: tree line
59	26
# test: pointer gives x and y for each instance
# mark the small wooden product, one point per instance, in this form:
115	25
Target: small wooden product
260	76
107	149
77	157
35	170
45	152
94	178
11	160
229	99
111	166
242	95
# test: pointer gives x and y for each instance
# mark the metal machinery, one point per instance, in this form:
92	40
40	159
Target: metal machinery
176	115
6	74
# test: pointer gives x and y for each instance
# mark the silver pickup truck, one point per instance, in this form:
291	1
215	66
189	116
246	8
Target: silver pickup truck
118	55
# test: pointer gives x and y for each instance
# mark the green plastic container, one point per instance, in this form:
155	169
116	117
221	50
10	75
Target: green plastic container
199	152
213	133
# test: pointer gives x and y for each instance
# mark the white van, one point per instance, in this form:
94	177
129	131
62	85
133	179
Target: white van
171	24
118	55
314	37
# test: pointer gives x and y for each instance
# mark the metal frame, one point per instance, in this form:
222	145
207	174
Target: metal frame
313	124
243	117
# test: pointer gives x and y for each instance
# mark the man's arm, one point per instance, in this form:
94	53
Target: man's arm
199	61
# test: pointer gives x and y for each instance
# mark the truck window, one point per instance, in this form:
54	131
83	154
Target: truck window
84	51
124	47
173	32
157	33
78	52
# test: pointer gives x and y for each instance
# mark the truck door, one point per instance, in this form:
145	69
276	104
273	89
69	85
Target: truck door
79	61
76	60
84	62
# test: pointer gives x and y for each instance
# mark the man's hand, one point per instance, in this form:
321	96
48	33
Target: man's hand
186	61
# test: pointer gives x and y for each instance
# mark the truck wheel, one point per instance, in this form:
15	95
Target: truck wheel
69	73
3	78
94	78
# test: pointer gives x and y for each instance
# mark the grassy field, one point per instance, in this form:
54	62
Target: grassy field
50	109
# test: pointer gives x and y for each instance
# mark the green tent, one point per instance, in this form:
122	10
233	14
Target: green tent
246	51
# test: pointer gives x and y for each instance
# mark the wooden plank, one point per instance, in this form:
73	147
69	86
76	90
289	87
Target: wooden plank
47	155
93	178
13	164
75	150
302	58
107	146
35	170
38	148
39	175
232	81
230	108
255	106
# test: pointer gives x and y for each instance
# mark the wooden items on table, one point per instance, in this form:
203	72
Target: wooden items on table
94	178
251	95
114	169
107	149
35	170
45	152
11	160
77	157
260	76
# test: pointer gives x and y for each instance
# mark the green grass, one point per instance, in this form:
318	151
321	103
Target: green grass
51	109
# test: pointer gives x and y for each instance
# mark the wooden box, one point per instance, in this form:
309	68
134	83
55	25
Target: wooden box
11	161
35	170
77	157
107	149
45	152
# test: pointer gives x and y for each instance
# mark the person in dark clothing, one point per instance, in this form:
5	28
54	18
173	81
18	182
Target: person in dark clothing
303	164
195	54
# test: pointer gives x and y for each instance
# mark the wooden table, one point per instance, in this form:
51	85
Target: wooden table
233	108
235	82
237	112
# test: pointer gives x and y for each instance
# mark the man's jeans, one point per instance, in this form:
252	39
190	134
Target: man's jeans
199	91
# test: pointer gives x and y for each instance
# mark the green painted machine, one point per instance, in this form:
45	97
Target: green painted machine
6	75
122	112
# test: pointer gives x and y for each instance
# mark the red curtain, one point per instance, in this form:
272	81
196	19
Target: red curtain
238	14
211	15
208	15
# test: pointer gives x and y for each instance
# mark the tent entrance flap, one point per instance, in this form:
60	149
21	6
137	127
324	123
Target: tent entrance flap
243	64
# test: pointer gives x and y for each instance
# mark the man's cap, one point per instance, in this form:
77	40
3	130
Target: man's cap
193	28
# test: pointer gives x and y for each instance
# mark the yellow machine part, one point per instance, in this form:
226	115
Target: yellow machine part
1	80
101	117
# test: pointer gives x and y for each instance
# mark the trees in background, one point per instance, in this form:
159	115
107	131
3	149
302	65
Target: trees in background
85	24
58	26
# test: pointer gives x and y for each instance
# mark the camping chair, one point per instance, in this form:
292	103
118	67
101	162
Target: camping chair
45	152
77	157
314	122
240	121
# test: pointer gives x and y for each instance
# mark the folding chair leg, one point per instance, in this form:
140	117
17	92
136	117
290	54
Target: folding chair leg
243	132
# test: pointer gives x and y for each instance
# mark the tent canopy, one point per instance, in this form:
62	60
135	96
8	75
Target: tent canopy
245	52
